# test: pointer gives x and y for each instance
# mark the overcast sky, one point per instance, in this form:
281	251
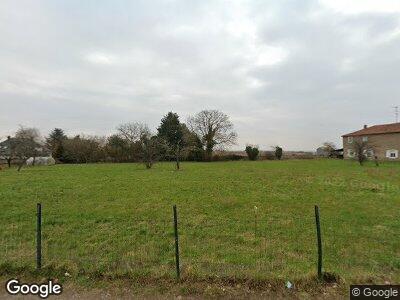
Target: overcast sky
293	73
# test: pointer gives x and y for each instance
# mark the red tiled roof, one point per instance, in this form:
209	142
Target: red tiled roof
376	129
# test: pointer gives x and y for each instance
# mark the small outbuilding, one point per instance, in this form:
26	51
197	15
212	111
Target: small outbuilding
40	161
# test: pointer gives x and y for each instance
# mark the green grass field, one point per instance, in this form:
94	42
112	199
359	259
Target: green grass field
115	220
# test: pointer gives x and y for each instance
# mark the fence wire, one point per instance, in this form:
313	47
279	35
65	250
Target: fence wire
260	245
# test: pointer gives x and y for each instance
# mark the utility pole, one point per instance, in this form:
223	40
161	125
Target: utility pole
396	113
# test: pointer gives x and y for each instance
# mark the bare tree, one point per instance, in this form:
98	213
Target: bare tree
27	144
133	131
214	129
151	146
376	161
361	149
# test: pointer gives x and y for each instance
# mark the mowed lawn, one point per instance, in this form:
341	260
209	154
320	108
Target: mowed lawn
236	219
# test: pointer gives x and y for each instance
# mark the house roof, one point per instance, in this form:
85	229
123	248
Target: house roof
376	129
4	143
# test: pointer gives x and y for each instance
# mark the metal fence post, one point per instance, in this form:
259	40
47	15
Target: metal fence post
255	221
319	241
39	237
178	272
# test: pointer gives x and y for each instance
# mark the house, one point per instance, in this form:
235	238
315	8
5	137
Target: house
5	148
9	146
338	153
322	152
381	141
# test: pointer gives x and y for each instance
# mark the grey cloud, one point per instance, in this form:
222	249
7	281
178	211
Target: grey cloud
87	66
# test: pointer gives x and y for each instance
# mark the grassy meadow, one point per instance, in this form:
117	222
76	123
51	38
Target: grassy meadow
236	219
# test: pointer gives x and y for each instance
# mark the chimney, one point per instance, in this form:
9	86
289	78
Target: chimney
365	126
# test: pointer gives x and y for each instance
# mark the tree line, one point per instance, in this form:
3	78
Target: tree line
173	140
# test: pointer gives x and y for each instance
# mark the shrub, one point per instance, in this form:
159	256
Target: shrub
252	152
268	155
278	152
227	157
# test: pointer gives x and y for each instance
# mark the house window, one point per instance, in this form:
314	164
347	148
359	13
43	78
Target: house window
350	152
392	154
349	139
365	139
369	153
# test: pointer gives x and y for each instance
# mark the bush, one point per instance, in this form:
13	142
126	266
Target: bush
268	155
278	152
252	152
196	153
84	149
227	157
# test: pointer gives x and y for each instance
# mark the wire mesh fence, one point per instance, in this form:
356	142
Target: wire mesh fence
247	248
143	247
209	246
17	243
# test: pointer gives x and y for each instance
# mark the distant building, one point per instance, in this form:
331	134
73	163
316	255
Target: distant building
382	141
5	147
322	152
338	153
